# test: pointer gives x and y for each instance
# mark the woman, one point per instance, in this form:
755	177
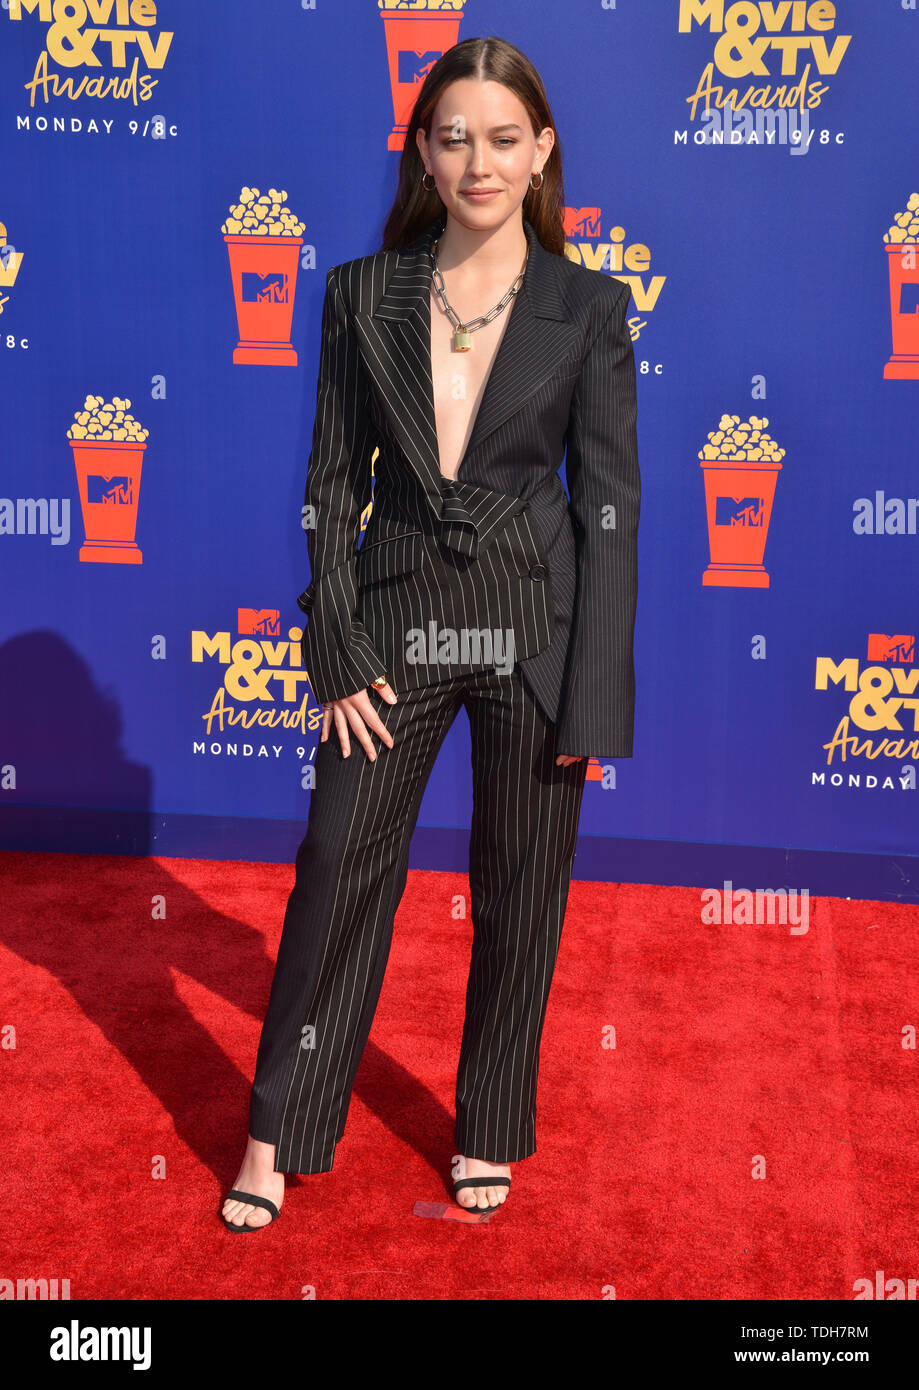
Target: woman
472	354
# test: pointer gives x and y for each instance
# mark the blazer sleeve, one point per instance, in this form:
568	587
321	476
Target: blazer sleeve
338	654
596	717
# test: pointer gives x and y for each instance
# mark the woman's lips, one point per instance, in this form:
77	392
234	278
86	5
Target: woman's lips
478	197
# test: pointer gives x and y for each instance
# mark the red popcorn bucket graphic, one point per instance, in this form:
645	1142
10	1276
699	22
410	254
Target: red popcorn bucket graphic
415	39
108	476
263	270
903	266
738	505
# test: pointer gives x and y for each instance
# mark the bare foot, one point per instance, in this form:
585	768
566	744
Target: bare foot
257	1176
482	1196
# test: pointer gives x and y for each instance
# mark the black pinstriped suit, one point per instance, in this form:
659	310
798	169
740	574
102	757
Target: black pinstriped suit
497	550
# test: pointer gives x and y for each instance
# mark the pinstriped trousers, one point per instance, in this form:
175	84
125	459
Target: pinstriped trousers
351	870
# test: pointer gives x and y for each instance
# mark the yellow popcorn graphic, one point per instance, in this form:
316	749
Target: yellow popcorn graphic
416	32
264	240
262	214
905	226
108	446
903	273
740	465
742	442
421	4
101	422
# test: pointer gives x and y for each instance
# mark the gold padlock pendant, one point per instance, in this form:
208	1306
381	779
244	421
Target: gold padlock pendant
462	340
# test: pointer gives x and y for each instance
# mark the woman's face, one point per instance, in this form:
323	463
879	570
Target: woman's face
481	139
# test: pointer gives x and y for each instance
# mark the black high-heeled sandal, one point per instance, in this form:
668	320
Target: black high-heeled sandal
254	1201
480	1182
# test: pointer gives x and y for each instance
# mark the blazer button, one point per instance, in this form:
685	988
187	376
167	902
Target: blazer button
537	571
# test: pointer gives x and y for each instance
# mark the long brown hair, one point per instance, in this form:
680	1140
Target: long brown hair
414	207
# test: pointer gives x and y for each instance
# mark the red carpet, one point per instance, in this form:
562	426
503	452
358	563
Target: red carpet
739	1049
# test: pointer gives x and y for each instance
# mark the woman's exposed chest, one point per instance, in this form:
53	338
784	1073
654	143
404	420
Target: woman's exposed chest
459	380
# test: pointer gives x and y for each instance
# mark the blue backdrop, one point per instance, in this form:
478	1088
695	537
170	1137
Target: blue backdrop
762	285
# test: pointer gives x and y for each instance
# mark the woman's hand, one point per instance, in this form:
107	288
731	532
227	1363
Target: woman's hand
565	759
358	713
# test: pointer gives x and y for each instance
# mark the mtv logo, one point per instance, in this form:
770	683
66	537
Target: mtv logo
739	511
414	67
115	491
270	288
582	222
900	647
909	297
258	622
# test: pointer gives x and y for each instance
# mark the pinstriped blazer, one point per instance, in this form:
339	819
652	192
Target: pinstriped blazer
498	565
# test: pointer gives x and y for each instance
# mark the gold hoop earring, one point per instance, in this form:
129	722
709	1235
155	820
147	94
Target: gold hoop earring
537	175
427	175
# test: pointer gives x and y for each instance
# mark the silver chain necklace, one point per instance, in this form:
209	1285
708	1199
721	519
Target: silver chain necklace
462	336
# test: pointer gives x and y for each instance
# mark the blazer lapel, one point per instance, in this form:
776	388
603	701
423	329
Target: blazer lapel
397	346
